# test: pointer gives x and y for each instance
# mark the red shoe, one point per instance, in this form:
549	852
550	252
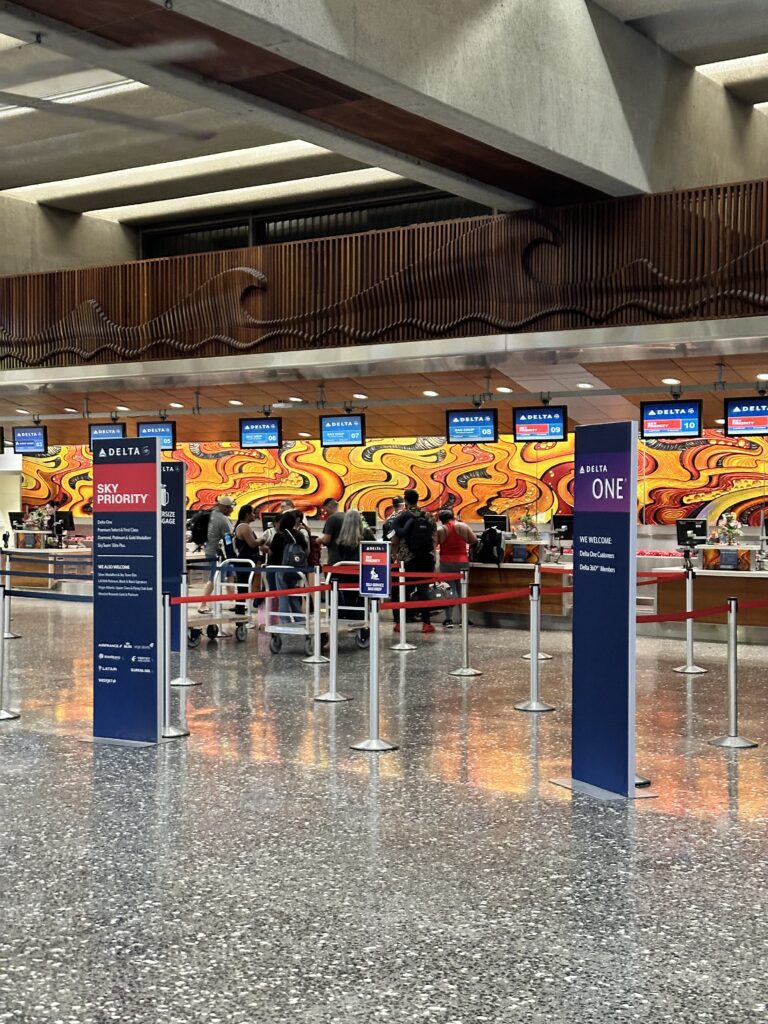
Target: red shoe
427	627
397	627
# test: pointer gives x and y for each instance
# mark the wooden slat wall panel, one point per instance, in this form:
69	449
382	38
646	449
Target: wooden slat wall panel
697	254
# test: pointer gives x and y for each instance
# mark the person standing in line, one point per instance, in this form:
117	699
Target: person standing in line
246	546
332	528
415	529
287	536
353	531
387	531
219	529
454	539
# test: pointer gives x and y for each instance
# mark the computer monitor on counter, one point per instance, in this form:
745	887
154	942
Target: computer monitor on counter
497	522
691	532
562	527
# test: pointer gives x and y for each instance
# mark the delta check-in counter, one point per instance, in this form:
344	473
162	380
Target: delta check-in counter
517	571
44	565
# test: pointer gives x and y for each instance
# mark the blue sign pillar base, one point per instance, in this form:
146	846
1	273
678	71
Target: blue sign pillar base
600	794
116	743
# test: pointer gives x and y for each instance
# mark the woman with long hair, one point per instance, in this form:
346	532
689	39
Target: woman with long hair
352	531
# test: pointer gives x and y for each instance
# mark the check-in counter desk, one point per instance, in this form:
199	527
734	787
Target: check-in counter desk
514	575
49	562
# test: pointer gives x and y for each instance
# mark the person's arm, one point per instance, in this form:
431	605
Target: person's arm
442	533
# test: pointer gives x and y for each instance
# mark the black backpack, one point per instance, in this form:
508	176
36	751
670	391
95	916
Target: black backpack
490	548
198	528
294	554
420	537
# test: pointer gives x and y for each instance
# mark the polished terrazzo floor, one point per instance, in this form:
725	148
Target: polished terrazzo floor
260	871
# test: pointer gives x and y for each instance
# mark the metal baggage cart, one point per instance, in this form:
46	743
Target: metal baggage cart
213	625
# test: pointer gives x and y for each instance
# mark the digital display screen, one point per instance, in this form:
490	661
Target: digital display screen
746	417
467	425
30	440
541	423
261	433
342	431
165	430
2	439
670	419
105	431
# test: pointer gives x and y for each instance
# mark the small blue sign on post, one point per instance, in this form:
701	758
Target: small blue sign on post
173	528
127	655
604	609
375	572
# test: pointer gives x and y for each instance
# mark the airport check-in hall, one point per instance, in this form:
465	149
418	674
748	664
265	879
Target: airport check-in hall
383	512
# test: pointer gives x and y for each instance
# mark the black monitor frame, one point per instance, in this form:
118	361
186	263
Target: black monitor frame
562	526
36	454
497	521
335	416
268	519
727	414
16	519
482	440
520	409
65	518
2	440
91	427
698	527
370	519
158	423
672	401
261	447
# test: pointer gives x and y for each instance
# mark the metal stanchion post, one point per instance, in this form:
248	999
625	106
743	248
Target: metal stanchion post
533	703
5	715
732	739
8	633
168	732
465	670
316	657
331	695
374	742
690	667
537	626
402	644
182	679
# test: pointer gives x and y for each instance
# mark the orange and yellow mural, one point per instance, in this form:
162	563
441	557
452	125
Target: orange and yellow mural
705	476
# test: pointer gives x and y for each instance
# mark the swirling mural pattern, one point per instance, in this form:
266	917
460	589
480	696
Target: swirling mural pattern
702	477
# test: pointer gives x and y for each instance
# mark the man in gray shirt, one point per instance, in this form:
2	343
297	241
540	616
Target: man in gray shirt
219	527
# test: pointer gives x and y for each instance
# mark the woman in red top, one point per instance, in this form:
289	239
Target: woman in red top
453	538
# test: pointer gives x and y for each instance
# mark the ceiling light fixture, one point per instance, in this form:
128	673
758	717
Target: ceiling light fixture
294	399
122	408
762	376
303	433
176	405
586	386
720	422
235	401
429	394
359	395
68	408
23	412
504	390
669	380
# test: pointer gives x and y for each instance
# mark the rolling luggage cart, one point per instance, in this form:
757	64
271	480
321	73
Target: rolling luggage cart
279	624
213	625
353	609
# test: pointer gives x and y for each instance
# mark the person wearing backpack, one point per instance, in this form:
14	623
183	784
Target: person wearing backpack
219	528
415	530
288	547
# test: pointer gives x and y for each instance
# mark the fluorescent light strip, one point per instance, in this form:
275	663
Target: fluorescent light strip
94	92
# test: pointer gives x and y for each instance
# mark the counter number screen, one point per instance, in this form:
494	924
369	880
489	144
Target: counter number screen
30	440
105	431
261	432
468	425
746	417
342	431
670	419
164	429
541	423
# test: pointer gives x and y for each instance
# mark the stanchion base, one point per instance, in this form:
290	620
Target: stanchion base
8	716
542	657
732	742
331	698
403	647
375	746
465	672
316	659
12	636
690	670
178	681
172	732
533	705
641	782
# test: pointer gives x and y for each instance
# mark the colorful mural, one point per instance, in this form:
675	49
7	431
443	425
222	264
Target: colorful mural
705	476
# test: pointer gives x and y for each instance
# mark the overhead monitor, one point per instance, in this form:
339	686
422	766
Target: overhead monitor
471	426
746	417
345	431
30	440
541	423
670	419
496	522
562	527
164	429
261	432
691	531
105	431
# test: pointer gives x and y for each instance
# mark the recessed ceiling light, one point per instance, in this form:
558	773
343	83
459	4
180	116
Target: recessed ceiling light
235	401
68	408
720	422
504	390
429	394
122	408
294	399
669	380
176	405
585	385
762	376
359	394
24	412
303	433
